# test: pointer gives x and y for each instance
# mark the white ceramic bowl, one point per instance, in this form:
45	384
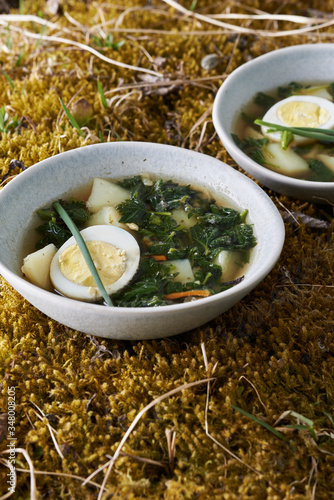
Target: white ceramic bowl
300	63
56	177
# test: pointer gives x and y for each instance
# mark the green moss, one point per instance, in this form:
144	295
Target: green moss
273	351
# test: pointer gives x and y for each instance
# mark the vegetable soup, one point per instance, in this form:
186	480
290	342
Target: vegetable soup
291	131
152	243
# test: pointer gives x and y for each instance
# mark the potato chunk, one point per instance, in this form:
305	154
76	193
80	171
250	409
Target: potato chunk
36	266
285	162
230	262
107	216
105	192
181	217
183	267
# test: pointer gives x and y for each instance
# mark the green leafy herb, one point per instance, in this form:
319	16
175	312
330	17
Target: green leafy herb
167	196
252	147
319	171
291	89
148	286
133	210
331	89
264	100
54	230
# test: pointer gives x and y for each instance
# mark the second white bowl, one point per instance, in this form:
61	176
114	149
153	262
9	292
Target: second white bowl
311	64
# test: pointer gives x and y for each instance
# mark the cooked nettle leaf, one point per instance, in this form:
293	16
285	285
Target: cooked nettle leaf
224	217
252	147
291	89
331	89
148	286
52	233
46	213
239	237
168	195
54	230
133	210
302	149
131	182
264	100
203	236
207	272
319	171
208	237
76	210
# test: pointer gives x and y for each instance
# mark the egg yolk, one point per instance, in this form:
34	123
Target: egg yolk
302	114
109	261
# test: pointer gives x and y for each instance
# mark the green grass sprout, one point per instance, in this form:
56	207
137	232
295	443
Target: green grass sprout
101	93
330	418
307	424
9	80
5	123
193	5
259	421
84	250
71	118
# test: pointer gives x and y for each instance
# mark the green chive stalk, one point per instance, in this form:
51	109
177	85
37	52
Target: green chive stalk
84	250
319	134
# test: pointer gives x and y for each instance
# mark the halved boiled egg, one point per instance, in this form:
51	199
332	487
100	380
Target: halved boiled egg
299	111
115	253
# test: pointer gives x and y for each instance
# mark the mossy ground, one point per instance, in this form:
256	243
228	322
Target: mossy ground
274	350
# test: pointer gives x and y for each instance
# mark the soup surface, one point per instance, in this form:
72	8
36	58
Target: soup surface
189	247
274	141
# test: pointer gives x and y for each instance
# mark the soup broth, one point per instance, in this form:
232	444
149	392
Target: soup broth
284	152
190	246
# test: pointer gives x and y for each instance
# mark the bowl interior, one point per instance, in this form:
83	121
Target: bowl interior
304	64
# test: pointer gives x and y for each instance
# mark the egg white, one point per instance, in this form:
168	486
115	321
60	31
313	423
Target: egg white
271	116
117	237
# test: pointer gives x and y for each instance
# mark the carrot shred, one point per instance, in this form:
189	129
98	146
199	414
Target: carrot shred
159	257
188	293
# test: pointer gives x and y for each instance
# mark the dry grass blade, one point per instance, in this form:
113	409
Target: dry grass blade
207	366
255	389
81	46
198	123
140	459
60	474
52	431
270	17
33	491
133	425
171	444
240	29
12	18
